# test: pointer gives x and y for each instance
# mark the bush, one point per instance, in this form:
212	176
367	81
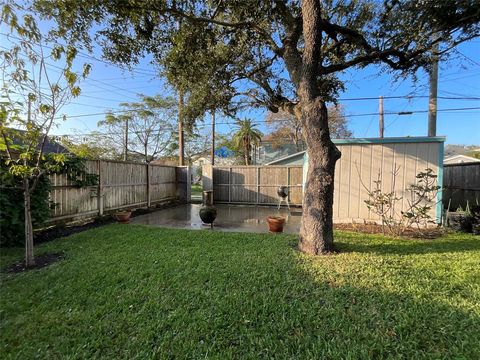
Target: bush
12	214
12	225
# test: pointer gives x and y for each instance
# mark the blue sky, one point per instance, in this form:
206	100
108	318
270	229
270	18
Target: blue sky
108	85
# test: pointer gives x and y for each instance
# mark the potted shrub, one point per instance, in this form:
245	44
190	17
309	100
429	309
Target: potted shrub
123	216
475	210
460	220
275	223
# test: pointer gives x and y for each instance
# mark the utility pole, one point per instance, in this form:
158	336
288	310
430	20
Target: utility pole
432	103
181	140
125	149
381	123
213	137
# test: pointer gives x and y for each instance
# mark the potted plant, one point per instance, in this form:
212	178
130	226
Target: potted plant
275	223
475	210
123	216
208	213
460	220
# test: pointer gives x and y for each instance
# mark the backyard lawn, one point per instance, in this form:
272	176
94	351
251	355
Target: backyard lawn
126	291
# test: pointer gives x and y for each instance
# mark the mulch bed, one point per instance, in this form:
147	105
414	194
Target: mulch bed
430	233
41	261
56	232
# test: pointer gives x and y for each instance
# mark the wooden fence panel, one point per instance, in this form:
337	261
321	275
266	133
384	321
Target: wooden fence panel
162	182
124	184
461	184
69	199
256	184
121	185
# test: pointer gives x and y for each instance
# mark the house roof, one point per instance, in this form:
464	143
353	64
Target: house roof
460	159
50	146
282	159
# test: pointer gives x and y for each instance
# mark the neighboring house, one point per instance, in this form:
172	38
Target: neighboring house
166	160
269	150
219	161
50	146
294	159
458	159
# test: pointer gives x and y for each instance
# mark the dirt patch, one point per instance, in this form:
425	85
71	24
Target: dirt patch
430	233
61	231
41	261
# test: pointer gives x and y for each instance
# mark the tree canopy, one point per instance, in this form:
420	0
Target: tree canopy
252	50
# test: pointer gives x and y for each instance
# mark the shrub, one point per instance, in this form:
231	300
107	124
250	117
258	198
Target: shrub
12	214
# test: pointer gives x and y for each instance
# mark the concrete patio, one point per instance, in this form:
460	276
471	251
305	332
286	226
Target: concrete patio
238	218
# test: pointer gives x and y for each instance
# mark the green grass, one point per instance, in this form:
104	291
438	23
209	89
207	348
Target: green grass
130	292
196	189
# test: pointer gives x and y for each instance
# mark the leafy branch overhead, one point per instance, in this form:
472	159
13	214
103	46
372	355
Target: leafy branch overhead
223	50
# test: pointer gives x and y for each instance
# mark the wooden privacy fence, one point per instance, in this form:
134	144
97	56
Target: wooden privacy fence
461	183
253	184
120	185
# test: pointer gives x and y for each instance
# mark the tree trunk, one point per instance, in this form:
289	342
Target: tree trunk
29	258
316	232
181	138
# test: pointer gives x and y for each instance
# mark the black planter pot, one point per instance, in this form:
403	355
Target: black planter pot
208	214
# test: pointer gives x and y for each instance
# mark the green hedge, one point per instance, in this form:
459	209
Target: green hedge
12	227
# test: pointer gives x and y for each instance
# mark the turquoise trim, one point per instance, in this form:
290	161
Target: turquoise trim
441	153
418	139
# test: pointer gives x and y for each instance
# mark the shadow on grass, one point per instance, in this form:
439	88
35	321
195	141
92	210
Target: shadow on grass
375	244
162	293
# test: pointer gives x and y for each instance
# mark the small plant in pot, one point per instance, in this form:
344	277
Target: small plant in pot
275	223
123	216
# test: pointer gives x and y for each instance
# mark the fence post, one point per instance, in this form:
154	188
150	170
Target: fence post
149	202
288	184
100	188
258	184
230	185
189	185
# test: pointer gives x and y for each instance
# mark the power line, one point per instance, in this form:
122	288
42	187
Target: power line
279	120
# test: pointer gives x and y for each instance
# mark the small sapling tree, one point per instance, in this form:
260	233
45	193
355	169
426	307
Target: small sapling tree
419	202
31	100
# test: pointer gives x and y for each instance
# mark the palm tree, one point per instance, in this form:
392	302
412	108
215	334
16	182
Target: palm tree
246	136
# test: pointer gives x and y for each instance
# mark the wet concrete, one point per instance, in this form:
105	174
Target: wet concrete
230	218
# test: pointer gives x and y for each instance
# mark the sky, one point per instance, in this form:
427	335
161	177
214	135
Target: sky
108	85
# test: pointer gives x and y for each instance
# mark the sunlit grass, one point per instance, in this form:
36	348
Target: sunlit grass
129	292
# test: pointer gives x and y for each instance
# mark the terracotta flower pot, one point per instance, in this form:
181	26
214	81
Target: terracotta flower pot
123	217
275	223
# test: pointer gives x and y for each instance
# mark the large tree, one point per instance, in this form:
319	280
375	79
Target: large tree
285	55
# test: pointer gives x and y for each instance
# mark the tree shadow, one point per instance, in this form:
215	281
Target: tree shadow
237	297
406	246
